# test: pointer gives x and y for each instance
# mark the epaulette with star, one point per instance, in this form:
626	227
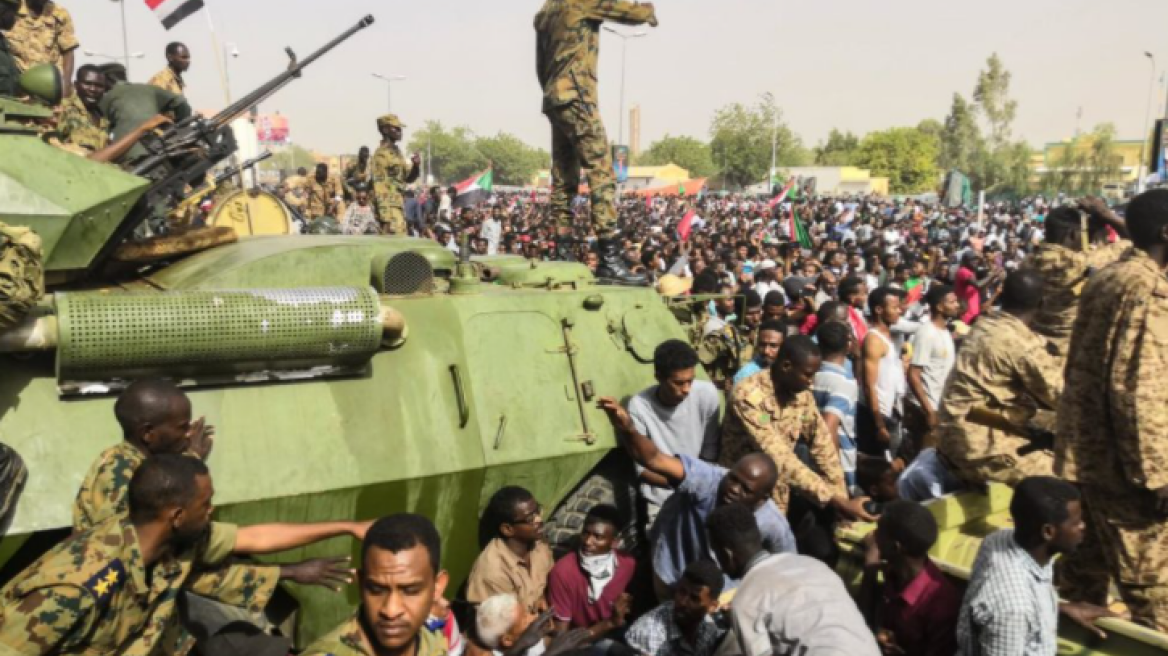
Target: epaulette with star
107	581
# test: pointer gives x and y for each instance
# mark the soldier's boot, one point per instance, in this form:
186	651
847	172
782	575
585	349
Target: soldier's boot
612	264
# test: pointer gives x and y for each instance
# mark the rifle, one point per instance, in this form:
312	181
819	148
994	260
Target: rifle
233	171
195	197
182	155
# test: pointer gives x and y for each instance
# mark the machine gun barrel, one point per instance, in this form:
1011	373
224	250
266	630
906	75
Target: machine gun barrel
236	170
244	104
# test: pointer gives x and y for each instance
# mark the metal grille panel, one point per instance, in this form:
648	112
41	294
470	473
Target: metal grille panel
408	273
194	333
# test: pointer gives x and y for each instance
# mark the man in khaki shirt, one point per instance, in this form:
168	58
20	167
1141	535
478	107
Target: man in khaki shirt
178	60
44	35
515	561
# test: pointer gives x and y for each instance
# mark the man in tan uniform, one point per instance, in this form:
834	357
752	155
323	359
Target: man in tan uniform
774	412
178	60
567	51
391	173
44	35
1112	436
1065	266
322	195
81	122
1005	382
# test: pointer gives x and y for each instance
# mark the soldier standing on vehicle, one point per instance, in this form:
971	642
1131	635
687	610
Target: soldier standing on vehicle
391	173
567	50
358	174
1112	436
81	123
9	73
112	588
322	195
43	34
178	60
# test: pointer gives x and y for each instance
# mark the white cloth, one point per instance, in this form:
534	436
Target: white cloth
599	569
935	353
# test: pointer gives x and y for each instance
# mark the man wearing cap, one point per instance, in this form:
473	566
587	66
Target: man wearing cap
9	72
43	34
391	173
567	51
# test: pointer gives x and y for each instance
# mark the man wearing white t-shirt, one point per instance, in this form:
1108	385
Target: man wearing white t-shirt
933	356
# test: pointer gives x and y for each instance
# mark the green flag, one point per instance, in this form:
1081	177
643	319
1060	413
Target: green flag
799	231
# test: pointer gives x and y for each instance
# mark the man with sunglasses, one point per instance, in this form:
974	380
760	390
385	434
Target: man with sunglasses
516	561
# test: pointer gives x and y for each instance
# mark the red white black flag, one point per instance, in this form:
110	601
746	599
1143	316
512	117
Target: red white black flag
171	12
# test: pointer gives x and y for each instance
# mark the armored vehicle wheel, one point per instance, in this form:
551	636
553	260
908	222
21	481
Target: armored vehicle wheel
612	483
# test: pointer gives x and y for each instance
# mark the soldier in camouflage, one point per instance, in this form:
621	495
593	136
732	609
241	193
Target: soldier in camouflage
1112	436
322	195
81	122
43	34
1065	266
774	412
113	588
567	51
1002	391
400	577
9	73
358	175
720	348
178	61
391	173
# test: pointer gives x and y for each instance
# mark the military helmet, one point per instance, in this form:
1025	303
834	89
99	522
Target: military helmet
44	83
389	120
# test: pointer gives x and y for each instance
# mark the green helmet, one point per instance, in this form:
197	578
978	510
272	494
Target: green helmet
44	83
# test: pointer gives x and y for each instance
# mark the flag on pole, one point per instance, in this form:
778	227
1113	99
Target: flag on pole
782	195
474	189
686	226
172	12
798	232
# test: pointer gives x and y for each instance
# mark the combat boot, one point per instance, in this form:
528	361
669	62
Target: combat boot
612	264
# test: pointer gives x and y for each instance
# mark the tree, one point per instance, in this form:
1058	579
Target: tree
906	156
453	153
960	137
289	159
992	95
740	140
999	165
687	152
1086	163
514	162
840	149
931	127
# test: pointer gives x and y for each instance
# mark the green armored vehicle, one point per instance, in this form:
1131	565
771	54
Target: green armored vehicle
347	377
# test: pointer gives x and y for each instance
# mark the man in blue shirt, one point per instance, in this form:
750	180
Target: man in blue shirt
766	349
836	394
679	535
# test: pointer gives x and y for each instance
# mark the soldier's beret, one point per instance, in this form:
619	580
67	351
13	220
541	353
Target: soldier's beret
389	120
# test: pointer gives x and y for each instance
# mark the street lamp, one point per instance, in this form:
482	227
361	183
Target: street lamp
125	40
624	50
1147	115
389	80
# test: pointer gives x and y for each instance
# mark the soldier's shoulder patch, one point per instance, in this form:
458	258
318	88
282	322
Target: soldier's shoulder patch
107	580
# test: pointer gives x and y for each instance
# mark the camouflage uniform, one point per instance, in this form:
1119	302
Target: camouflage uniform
567	50
348	640
75	126
22	276
168	80
756	422
103	494
91	595
1112	433
1064	273
42	39
392	171
353	177
721	352
319	198
1004	367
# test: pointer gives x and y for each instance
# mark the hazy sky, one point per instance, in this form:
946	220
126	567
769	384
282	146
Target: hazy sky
857	65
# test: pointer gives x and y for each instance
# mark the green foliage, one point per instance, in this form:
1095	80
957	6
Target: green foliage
992	95
288	159
740	140
515	163
960	138
906	156
840	149
458	153
687	152
1087	163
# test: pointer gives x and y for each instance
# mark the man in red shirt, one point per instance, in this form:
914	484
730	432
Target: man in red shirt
969	287
586	588
914	611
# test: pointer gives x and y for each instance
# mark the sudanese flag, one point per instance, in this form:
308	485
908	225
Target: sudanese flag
172	12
